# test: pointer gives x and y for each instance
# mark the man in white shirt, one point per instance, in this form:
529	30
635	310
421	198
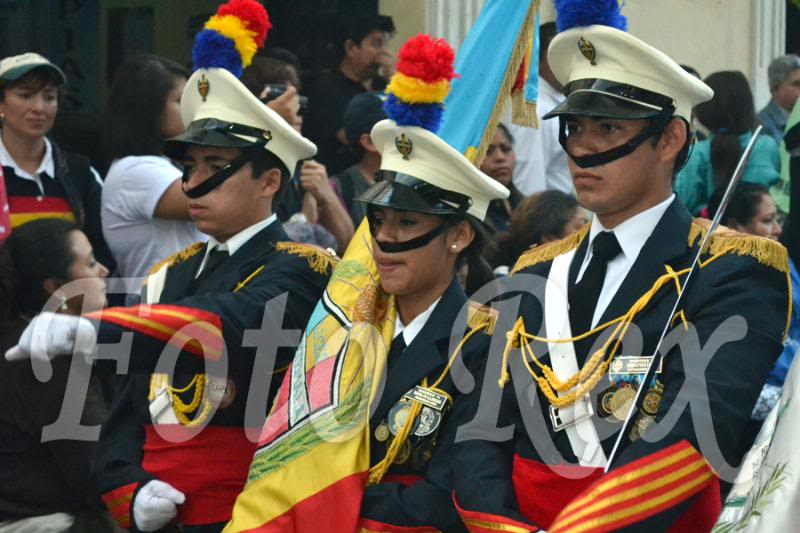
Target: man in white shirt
541	163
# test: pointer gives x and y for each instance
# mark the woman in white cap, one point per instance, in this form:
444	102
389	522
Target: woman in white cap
41	179
426	220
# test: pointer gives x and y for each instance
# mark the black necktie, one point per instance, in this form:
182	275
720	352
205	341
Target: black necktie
397	347
583	295
215	258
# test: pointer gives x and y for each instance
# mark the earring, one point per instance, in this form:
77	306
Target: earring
453	246
2	117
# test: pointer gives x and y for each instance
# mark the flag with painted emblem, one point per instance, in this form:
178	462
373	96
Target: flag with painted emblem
312	460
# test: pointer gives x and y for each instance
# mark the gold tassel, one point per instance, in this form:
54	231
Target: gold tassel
178	257
517	54
546	252
319	259
727	241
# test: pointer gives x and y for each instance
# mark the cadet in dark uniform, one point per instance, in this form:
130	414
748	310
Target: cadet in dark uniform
426	222
625	128
236	154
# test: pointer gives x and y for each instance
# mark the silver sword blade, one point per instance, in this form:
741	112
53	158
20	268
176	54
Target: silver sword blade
726	198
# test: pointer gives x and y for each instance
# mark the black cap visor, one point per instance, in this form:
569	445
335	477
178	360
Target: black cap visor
609	99
408	193
213	132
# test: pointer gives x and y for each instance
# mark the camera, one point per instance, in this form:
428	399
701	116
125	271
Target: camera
277	89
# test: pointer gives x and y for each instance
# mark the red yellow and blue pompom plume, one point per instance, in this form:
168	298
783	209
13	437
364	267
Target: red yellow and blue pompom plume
232	36
417	90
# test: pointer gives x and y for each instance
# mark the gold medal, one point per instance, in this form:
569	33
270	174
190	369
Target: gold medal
651	402
403	454
643	423
634	434
398	415
621	401
604	402
382	432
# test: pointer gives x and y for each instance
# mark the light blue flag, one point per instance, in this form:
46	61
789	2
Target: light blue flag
488	64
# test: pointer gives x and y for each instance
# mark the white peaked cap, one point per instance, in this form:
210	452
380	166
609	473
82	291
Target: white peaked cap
422	154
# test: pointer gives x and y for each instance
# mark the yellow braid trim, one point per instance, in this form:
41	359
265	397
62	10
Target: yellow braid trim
481	317
319	259
377	472
179	407
727	241
547	252
178	257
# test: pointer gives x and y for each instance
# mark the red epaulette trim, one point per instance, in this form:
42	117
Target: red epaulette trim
118	502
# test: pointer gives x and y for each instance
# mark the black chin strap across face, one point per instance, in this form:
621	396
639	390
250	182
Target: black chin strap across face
217	179
411	244
655	126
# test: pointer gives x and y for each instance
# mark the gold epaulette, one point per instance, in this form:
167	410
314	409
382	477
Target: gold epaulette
547	252
319	259
727	241
178	257
481	316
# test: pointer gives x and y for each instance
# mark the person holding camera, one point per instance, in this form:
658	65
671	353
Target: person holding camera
318	217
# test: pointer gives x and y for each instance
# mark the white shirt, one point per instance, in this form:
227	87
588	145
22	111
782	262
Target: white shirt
541	162
46	167
237	241
138	239
631	234
415	326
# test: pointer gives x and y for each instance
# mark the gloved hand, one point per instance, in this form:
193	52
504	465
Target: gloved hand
155	505
52	334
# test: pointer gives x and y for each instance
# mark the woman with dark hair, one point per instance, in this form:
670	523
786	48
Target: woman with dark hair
499	164
730	117
41	179
752	210
45	486
145	213
540	218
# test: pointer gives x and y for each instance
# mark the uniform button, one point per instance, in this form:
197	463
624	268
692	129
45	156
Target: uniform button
38	198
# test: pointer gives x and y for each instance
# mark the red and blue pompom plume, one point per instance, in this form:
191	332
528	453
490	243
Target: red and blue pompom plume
232	36
417	91
579	13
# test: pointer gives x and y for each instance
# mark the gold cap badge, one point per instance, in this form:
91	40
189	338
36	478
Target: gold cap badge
403	145
588	50
203	86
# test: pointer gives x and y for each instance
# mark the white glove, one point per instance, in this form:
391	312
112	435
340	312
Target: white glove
52	334
155	505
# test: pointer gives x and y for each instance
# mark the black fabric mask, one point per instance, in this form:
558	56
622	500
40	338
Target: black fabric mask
655	126
217	179
411	244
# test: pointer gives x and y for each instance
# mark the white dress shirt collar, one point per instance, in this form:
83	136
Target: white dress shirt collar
237	241
633	233
415	326
47	166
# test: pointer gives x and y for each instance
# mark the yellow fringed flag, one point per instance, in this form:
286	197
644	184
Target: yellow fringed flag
312	460
497	62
